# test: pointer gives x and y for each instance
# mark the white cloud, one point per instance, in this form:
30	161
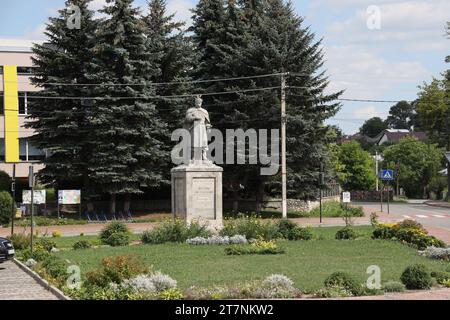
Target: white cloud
181	9
368	112
364	74
416	25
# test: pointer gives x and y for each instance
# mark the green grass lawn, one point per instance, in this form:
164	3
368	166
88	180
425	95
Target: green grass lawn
308	263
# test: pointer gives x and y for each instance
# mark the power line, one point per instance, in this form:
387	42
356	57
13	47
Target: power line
154	83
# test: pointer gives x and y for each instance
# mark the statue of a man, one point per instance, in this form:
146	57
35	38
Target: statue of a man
198	123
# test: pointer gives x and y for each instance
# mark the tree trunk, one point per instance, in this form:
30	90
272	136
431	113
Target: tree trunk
259	196
127	203
112	204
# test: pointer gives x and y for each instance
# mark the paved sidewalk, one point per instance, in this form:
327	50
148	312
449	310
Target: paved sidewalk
436	294
442	204
16	284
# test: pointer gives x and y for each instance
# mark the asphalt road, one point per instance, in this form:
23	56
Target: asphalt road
425	214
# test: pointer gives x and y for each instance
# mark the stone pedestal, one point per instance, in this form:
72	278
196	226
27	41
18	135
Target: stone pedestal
197	193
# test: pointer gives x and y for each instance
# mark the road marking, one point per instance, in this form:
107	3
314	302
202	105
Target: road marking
421	216
438	216
407	217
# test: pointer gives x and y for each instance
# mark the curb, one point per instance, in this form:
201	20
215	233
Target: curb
432	204
44	283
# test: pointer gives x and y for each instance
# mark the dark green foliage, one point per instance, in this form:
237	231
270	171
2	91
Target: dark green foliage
6	203
20	241
416	277
346	234
413	236
115	270
393	286
343	280
39	254
285	227
299	233
409	224
46	243
403	116
441	276
373	127
55	267
238	250
82	244
64	127
115	234
251	228
177	231
5	181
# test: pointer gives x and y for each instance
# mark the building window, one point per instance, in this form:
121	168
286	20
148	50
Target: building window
2	149
28	152
23	103
2	104
23	71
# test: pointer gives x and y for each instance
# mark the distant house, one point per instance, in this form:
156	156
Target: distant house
395	135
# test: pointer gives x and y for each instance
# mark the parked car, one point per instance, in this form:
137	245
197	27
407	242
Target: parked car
6	250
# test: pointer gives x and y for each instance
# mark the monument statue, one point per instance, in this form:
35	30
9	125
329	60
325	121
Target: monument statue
197	186
198	123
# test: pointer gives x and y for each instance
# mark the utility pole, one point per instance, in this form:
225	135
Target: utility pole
283	146
376	169
13	191
31	185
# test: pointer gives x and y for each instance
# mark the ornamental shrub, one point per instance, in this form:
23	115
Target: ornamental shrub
345	281
251	228
115	234
393	286
55	267
436	253
409	224
20	241
150	283
177	231
441	276
346	234
285	227
416	277
82	244
6	203
115	270
299	233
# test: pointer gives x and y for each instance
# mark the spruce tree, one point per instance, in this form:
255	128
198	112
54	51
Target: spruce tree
173	55
61	126
267	37
128	150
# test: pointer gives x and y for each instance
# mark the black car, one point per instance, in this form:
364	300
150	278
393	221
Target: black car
6	250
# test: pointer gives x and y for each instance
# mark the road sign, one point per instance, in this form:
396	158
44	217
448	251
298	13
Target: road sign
346	197
387	174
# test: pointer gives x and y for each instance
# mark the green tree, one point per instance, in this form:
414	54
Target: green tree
417	164
6	203
61	126
434	111
401	116
127	154
355	167
173	55
373	127
251	38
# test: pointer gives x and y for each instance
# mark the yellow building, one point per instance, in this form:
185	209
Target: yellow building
15	71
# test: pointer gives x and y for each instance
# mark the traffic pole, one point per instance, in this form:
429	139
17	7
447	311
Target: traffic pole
283	146
13	190
31	185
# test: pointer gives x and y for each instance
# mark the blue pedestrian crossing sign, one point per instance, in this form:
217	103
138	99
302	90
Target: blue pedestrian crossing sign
387	174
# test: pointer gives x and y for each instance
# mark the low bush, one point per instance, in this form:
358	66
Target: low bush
345	281
56	234
171	294
300	233
82	244
337	209
6	203
393	286
115	270
217	240
333	292
39	254
285	227
155	283
416	277
46	243
413	236
47	221
55	267
251	228
177	231
115	234
20	241
441	276
346	233
409	224
256	247
436	253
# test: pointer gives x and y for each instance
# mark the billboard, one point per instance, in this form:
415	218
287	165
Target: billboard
39	196
69	196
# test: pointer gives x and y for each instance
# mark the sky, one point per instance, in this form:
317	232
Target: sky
373	49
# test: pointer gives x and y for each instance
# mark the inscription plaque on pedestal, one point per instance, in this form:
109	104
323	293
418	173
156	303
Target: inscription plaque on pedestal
204	201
